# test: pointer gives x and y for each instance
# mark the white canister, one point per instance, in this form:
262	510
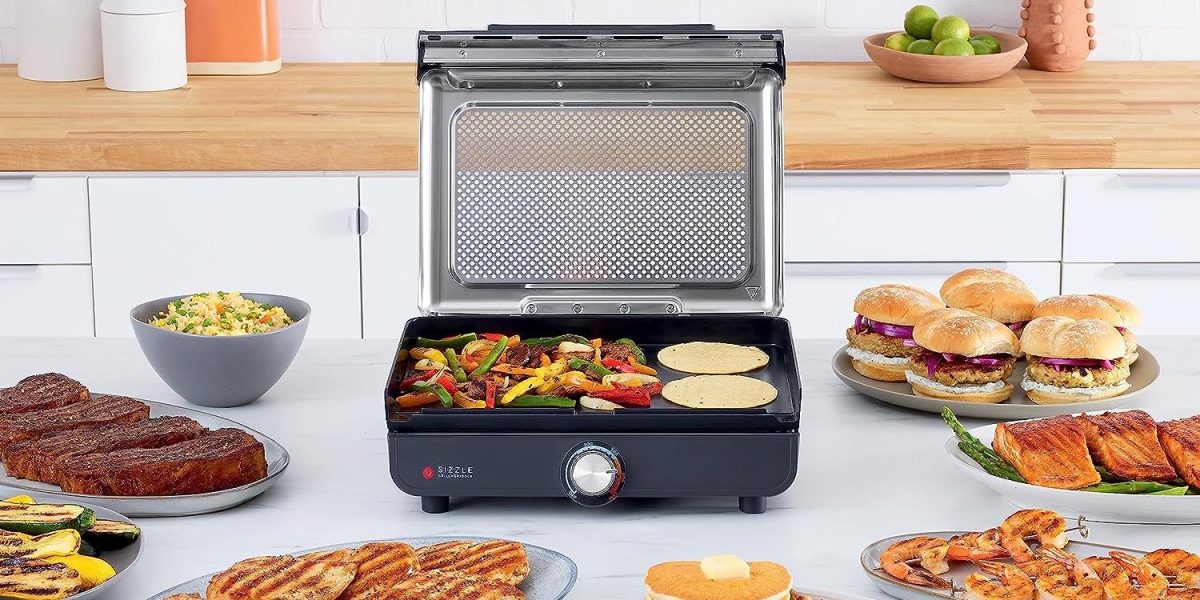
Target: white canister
59	40
145	49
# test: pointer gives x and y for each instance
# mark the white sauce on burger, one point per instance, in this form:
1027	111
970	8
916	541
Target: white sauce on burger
994	386
1028	384
872	357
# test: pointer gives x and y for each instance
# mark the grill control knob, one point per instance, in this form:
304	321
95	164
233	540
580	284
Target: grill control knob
593	474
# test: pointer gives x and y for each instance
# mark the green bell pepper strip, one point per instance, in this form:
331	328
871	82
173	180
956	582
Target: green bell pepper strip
581	365
556	340
637	350
454	342
455	367
490	360
541	402
433	388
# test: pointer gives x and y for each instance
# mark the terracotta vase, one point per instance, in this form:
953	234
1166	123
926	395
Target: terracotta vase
1061	33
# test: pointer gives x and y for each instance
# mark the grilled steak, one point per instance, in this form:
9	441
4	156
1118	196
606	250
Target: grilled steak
1048	452
381	566
522	355
42	460
495	560
35	578
41	392
104	410
220	460
1126	443
1181	440
318	576
616	351
438	585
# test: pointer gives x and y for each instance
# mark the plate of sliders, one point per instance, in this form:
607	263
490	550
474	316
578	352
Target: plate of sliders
1030	555
1121	467
59	551
728	577
987	348
60	441
431	568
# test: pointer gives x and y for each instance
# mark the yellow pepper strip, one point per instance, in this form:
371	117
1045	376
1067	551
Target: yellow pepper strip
416	399
429	353
513	340
554	368
640	368
22	499
521	388
466	402
597	342
511	370
545	358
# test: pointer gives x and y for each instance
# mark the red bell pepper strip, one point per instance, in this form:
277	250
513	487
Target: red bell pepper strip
447	384
492	337
408	383
489	396
618	366
625	396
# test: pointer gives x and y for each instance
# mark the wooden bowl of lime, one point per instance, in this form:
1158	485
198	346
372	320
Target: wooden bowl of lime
936	49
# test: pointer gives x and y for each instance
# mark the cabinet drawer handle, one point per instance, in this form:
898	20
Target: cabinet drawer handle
884	269
1160	180
18	272
926	179
15	183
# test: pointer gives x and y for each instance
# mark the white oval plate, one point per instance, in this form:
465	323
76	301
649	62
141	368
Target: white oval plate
1113	508
907	591
169	506
551	574
1143	374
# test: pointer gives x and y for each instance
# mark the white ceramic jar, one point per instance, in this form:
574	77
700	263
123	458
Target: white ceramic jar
59	40
145	48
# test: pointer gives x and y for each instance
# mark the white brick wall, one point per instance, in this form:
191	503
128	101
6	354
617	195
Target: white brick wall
385	30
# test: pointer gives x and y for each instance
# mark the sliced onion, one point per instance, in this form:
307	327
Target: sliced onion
859	327
1122	329
931	363
1107	364
1089	363
1018	325
910	343
896	331
980	360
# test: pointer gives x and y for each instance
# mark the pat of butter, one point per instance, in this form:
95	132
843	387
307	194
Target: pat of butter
725	566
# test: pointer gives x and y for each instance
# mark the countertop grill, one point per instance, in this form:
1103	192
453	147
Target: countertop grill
609	182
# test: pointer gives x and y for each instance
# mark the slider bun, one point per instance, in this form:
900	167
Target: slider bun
963	332
1111	310
999	395
895	303
1064	337
1041	397
879	372
990	293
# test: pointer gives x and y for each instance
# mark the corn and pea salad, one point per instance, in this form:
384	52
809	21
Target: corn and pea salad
221	313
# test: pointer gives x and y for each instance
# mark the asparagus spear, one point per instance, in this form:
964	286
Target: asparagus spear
972	447
1131	487
1175	491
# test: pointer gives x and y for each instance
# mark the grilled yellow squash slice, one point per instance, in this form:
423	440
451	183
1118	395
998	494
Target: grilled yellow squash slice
92	570
20	545
36	579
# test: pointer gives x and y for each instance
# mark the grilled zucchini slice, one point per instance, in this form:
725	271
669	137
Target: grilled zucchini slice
36	579
36	519
20	545
111	535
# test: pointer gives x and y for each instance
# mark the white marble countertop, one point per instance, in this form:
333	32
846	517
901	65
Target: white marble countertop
867	471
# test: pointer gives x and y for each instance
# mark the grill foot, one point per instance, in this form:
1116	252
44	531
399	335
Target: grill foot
752	505
435	505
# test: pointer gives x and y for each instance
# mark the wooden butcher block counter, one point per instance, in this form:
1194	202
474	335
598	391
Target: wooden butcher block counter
837	116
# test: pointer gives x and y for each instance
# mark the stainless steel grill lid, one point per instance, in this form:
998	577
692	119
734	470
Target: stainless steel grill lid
641	176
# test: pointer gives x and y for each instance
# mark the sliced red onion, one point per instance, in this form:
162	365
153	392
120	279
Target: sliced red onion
910	343
931	363
1090	363
896	331
859	327
980	360
1107	364
1122	329
1018	325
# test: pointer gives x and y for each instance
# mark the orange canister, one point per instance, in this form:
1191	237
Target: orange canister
232	37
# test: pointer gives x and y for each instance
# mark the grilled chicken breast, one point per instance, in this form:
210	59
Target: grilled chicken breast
1181	441
440	585
318	576
1048	452
1126	443
496	560
33	578
381	566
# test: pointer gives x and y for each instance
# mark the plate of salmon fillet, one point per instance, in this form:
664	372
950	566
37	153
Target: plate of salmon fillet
1123	467
62	441
430	568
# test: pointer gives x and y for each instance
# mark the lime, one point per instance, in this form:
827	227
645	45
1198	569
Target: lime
954	47
921	47
985	44
951	28
919	20
899	41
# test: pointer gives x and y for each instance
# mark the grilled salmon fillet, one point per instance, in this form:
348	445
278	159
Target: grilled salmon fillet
317	576
440	585
1048	452
42	392
1181	441
104	410
1126	443
496	560
380	567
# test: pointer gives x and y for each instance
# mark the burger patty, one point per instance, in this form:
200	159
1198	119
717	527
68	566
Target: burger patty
1078	377
962	373
880	344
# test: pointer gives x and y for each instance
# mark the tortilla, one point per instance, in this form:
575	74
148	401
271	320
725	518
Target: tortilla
720	391
711	358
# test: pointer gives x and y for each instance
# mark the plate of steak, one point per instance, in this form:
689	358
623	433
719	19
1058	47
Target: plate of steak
98	412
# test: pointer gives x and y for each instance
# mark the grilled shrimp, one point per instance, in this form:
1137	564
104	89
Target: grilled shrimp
1083	584
895	561
1181	565
1046	569
1046	526
976	546
1118	583
1151	583
999	581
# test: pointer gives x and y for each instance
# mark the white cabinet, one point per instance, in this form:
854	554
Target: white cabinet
921	216
156	236
50	301
43	220
1132	216
391	250
1164	291
819	297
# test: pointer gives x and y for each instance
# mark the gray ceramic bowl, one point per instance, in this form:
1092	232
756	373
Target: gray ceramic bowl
221	371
